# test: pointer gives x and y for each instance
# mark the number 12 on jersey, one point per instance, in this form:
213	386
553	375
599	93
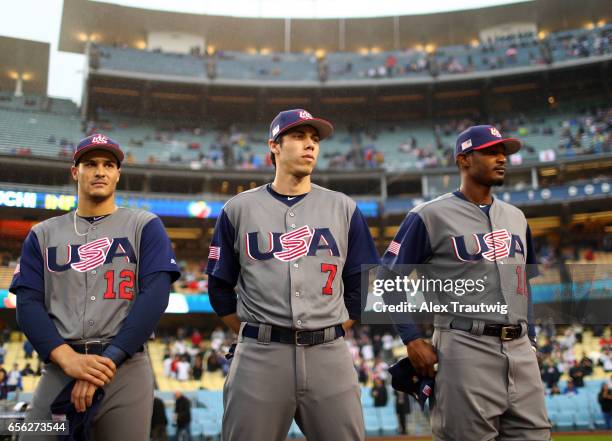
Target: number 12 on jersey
126	284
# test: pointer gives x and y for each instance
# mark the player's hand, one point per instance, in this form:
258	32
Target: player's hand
423	357
82	395
92	368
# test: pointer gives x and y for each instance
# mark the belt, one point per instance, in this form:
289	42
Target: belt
504	332
95	347
293	336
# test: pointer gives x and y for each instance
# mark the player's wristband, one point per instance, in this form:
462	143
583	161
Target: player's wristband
116	354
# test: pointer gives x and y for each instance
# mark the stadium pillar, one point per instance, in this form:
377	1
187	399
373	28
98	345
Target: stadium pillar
145	102
396	33
204	102
485	98
605	78
146	183
342	35
535	184
19	86
287	35
207	185
430	100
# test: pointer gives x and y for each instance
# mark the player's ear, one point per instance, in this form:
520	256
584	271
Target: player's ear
463	161
274	146
74	171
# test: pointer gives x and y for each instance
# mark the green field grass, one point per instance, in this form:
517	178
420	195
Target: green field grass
606	436
582	437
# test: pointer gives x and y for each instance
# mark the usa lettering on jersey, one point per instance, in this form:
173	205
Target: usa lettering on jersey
493	246
85	257
287	247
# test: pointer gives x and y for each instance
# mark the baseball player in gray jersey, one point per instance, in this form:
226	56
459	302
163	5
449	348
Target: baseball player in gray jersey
90	287
487	385
284	273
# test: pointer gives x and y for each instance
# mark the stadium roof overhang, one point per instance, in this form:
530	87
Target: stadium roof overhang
105	23
25	58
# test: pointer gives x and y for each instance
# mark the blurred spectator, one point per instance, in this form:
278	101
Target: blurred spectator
570	388
549	372
379	393
3	386
605	401
13	379
27	370
183	369
182	415
554	390
577	374
198	368
159	421
167	364
402	410
28	349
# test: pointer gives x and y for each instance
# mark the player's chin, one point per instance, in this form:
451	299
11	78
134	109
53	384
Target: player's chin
305	170
100	194
497	182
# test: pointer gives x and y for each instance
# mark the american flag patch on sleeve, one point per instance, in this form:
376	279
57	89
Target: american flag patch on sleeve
214	253
394	247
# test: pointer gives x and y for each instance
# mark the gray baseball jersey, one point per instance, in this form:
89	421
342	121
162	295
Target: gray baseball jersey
288	261
83	273
287	258
88	271
485	387
459	241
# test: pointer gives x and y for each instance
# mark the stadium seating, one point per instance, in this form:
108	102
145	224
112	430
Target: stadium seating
50	128
506	53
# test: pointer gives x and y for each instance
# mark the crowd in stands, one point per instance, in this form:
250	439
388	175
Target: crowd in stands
12	380
511	50
190	357
557	357
589	132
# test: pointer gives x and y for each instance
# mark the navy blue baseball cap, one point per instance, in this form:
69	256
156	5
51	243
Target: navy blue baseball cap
298	117
404	378
79	423
481	137
98	142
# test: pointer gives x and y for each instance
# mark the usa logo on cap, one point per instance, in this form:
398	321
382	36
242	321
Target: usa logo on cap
482	137
98	142
299	117
99	139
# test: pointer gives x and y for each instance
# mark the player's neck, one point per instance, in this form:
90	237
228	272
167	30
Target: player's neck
291	185
477	193
89	208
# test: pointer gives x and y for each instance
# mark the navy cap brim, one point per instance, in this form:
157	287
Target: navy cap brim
323	128
512	145
109	148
